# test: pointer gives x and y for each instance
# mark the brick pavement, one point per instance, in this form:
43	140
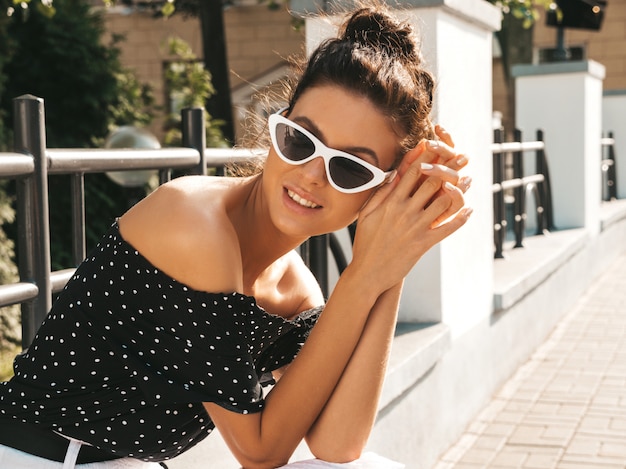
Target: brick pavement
566	407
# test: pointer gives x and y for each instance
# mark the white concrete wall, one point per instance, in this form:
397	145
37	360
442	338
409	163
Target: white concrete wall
456	43
565	100
614	120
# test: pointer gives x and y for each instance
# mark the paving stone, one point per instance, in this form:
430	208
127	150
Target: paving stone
566	407
510	458
546	460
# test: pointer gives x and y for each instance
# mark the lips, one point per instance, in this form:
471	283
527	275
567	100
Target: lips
300	200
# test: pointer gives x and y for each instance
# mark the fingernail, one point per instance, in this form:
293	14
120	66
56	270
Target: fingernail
426	166
449	186
468	211
466	181
392	176
434	144
461	159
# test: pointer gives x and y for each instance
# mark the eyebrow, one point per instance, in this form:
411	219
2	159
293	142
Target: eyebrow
320	135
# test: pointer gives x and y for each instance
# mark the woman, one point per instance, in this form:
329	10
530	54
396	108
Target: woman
173	323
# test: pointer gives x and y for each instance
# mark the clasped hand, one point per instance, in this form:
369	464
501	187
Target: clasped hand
405	218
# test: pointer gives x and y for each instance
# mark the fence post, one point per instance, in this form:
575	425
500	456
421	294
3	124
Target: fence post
194	134
33	221
565	100
541	164
519	192
79	230
317	247
612	170
499	211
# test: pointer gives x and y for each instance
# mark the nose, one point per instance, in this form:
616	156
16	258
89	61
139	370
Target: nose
314	171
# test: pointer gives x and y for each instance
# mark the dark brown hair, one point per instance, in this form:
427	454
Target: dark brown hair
378	57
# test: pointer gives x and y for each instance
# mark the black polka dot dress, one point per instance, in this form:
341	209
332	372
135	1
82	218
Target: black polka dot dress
127	355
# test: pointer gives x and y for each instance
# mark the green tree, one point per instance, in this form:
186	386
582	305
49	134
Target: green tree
190	84
86	92
210	13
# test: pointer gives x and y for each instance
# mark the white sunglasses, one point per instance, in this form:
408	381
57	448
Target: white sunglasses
346	173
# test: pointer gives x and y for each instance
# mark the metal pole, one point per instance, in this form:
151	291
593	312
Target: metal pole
78	218
318	260
561	53
519	192
194	134
542	168
30	138
612	170
499	212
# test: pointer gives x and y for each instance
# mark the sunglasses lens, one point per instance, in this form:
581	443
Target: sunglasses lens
349	174
292	143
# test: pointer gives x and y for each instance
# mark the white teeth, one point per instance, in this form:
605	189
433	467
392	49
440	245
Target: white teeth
296	198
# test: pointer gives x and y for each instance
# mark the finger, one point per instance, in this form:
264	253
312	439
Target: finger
444	136
464	183
457	221
379	196
446	154
446	174
425	193
410	157
457	202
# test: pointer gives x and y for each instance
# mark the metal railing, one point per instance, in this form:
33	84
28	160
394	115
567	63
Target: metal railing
511	188
32	163
609	171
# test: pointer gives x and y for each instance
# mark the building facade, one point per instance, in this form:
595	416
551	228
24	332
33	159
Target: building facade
261	40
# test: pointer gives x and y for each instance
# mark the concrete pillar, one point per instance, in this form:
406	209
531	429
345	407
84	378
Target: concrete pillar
614	120
453	283
565	100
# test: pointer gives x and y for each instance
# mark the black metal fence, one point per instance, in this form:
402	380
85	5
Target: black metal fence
609	170
512	188
30	166
32	163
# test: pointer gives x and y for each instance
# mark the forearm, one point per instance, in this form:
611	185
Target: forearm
343	427
301	394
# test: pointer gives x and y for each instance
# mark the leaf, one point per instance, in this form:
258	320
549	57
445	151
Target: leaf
168	9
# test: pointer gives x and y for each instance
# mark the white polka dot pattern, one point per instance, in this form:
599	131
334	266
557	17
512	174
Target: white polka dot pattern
127	355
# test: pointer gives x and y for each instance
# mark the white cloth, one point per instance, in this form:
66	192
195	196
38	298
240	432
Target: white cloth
366	461
11	458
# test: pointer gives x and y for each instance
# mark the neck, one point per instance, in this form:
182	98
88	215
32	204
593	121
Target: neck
260	241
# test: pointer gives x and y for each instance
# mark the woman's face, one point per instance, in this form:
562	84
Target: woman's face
301	200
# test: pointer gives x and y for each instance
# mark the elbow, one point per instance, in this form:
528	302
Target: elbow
262	464
260	459
338	454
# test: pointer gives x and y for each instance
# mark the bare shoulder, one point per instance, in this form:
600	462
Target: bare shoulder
182	228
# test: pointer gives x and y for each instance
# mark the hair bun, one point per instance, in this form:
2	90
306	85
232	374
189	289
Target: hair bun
376	29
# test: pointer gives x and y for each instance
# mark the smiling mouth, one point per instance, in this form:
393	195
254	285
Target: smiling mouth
300	201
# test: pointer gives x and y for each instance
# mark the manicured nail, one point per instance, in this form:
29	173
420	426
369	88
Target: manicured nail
461	160
467	211
449	186
433	144
392	176
465	181
426	166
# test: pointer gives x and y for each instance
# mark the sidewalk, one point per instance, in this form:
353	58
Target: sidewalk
566	407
